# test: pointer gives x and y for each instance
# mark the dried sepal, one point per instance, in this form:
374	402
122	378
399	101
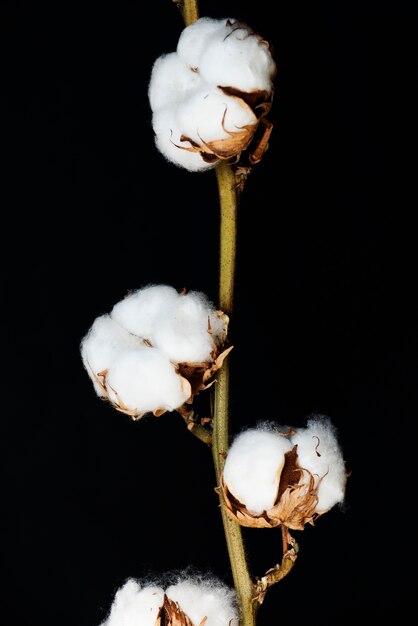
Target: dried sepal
225	148
239	142
170	614
295	504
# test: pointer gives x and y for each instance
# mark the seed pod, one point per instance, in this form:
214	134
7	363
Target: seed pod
209	99
295	502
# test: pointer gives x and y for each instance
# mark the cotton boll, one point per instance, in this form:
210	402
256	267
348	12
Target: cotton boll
209	115
193	39
170	80
168	139
253	468
134	606
145	380
105	340
237	58
139	310
319	452
211	599
182	331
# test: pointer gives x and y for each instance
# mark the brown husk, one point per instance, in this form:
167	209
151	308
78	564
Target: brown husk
240	141
170	614
295	502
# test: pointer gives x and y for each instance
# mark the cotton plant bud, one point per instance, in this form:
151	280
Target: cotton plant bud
209	97
156	350
274	478
190	602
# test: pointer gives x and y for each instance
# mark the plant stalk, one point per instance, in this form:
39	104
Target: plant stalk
189	9
228	200
220	438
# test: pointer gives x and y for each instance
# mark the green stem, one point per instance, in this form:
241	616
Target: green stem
220	437
189	9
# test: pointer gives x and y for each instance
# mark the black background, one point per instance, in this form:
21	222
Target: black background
325	316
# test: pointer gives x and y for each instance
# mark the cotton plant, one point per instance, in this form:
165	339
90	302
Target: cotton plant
159	347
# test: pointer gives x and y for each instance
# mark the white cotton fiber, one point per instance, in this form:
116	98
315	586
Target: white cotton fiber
105	340
218	326
237	58
182	331
194	37
140	309
170	79
319	452
168	136
209	115
145	380
253	467
176	323
200	599
135	606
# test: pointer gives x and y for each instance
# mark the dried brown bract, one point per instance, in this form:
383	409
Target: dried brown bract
295	503
170	614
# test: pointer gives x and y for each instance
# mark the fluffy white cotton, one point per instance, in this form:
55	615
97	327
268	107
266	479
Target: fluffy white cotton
236	57
103	343
193	39
227	53
176	323
145	380
182	332
170	79
135	606
319	452
140	310
209	115
168	135
199	599
253	467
